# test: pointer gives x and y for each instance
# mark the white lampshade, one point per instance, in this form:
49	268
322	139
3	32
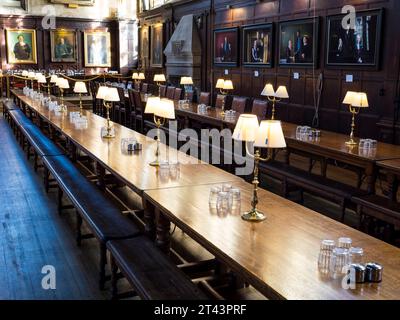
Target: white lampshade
38	75
163	108
25	73
270	135
31	75
53	78
135	76
159	78
268	91
356	99
228	85
141	76
186	81
246	128
112	95
282	93
63	83
220	84
101	92
152	104
42	79
80	87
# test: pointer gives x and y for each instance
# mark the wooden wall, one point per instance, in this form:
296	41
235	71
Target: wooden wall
43	40
379	121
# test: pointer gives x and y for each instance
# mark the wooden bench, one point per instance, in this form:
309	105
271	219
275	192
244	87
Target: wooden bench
100	214
379	216
150	272
326	188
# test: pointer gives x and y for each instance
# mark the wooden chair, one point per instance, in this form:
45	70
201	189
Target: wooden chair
190	96
163	91
136	86
239	104
170	93
205	98
178	94
259	108
139	110
120	107
145	88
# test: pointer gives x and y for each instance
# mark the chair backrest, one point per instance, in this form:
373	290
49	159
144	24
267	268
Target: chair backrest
137	86
121	94
145	87
259	108
163	90
177	94
205	98
239	104
132	99
138	101
170	92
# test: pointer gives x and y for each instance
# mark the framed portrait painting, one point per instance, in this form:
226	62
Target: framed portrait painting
298	42
144	45
97	47
226	51
354	46
257	42
157	46
75	2
63	45
21	46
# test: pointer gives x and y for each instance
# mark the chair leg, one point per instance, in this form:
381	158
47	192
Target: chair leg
103	262
46	176
59	202
114	279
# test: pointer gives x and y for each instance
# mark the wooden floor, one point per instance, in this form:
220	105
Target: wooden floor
32	235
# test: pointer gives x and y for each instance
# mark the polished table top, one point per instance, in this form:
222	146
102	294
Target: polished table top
278	256
392	165
133	168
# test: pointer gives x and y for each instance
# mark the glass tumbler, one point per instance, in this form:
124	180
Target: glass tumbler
174	170
164	171
213	196
226	187
325	255
234	201
339	262
345	243
222	203
356	255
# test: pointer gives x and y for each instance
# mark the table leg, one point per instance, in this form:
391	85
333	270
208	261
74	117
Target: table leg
393	186
370	172
149	219
163	229
100	172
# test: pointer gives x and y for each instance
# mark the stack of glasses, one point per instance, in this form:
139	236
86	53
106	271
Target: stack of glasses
230	115
169	171
225	200
367	147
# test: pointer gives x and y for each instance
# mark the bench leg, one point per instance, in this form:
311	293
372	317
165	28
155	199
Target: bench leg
342	210
114	279
46	176
36	159
78	229
59	200
103	262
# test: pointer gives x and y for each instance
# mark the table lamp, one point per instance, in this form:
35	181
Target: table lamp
273	96
268	134
356	101
162	109
62	84
108	95
159	78
80	87
53	82
187	82
41	80
224	86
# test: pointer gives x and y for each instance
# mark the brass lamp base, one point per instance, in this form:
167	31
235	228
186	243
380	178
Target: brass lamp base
155	163
109	136
254	216
351	143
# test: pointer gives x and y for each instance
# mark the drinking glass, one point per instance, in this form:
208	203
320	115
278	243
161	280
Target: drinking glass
325	256
164	171
222	203
214	191
339	262
356	255
345	243
234	201
226	187
174	170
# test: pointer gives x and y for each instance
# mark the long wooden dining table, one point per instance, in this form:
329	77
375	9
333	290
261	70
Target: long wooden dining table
278	256
329	146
